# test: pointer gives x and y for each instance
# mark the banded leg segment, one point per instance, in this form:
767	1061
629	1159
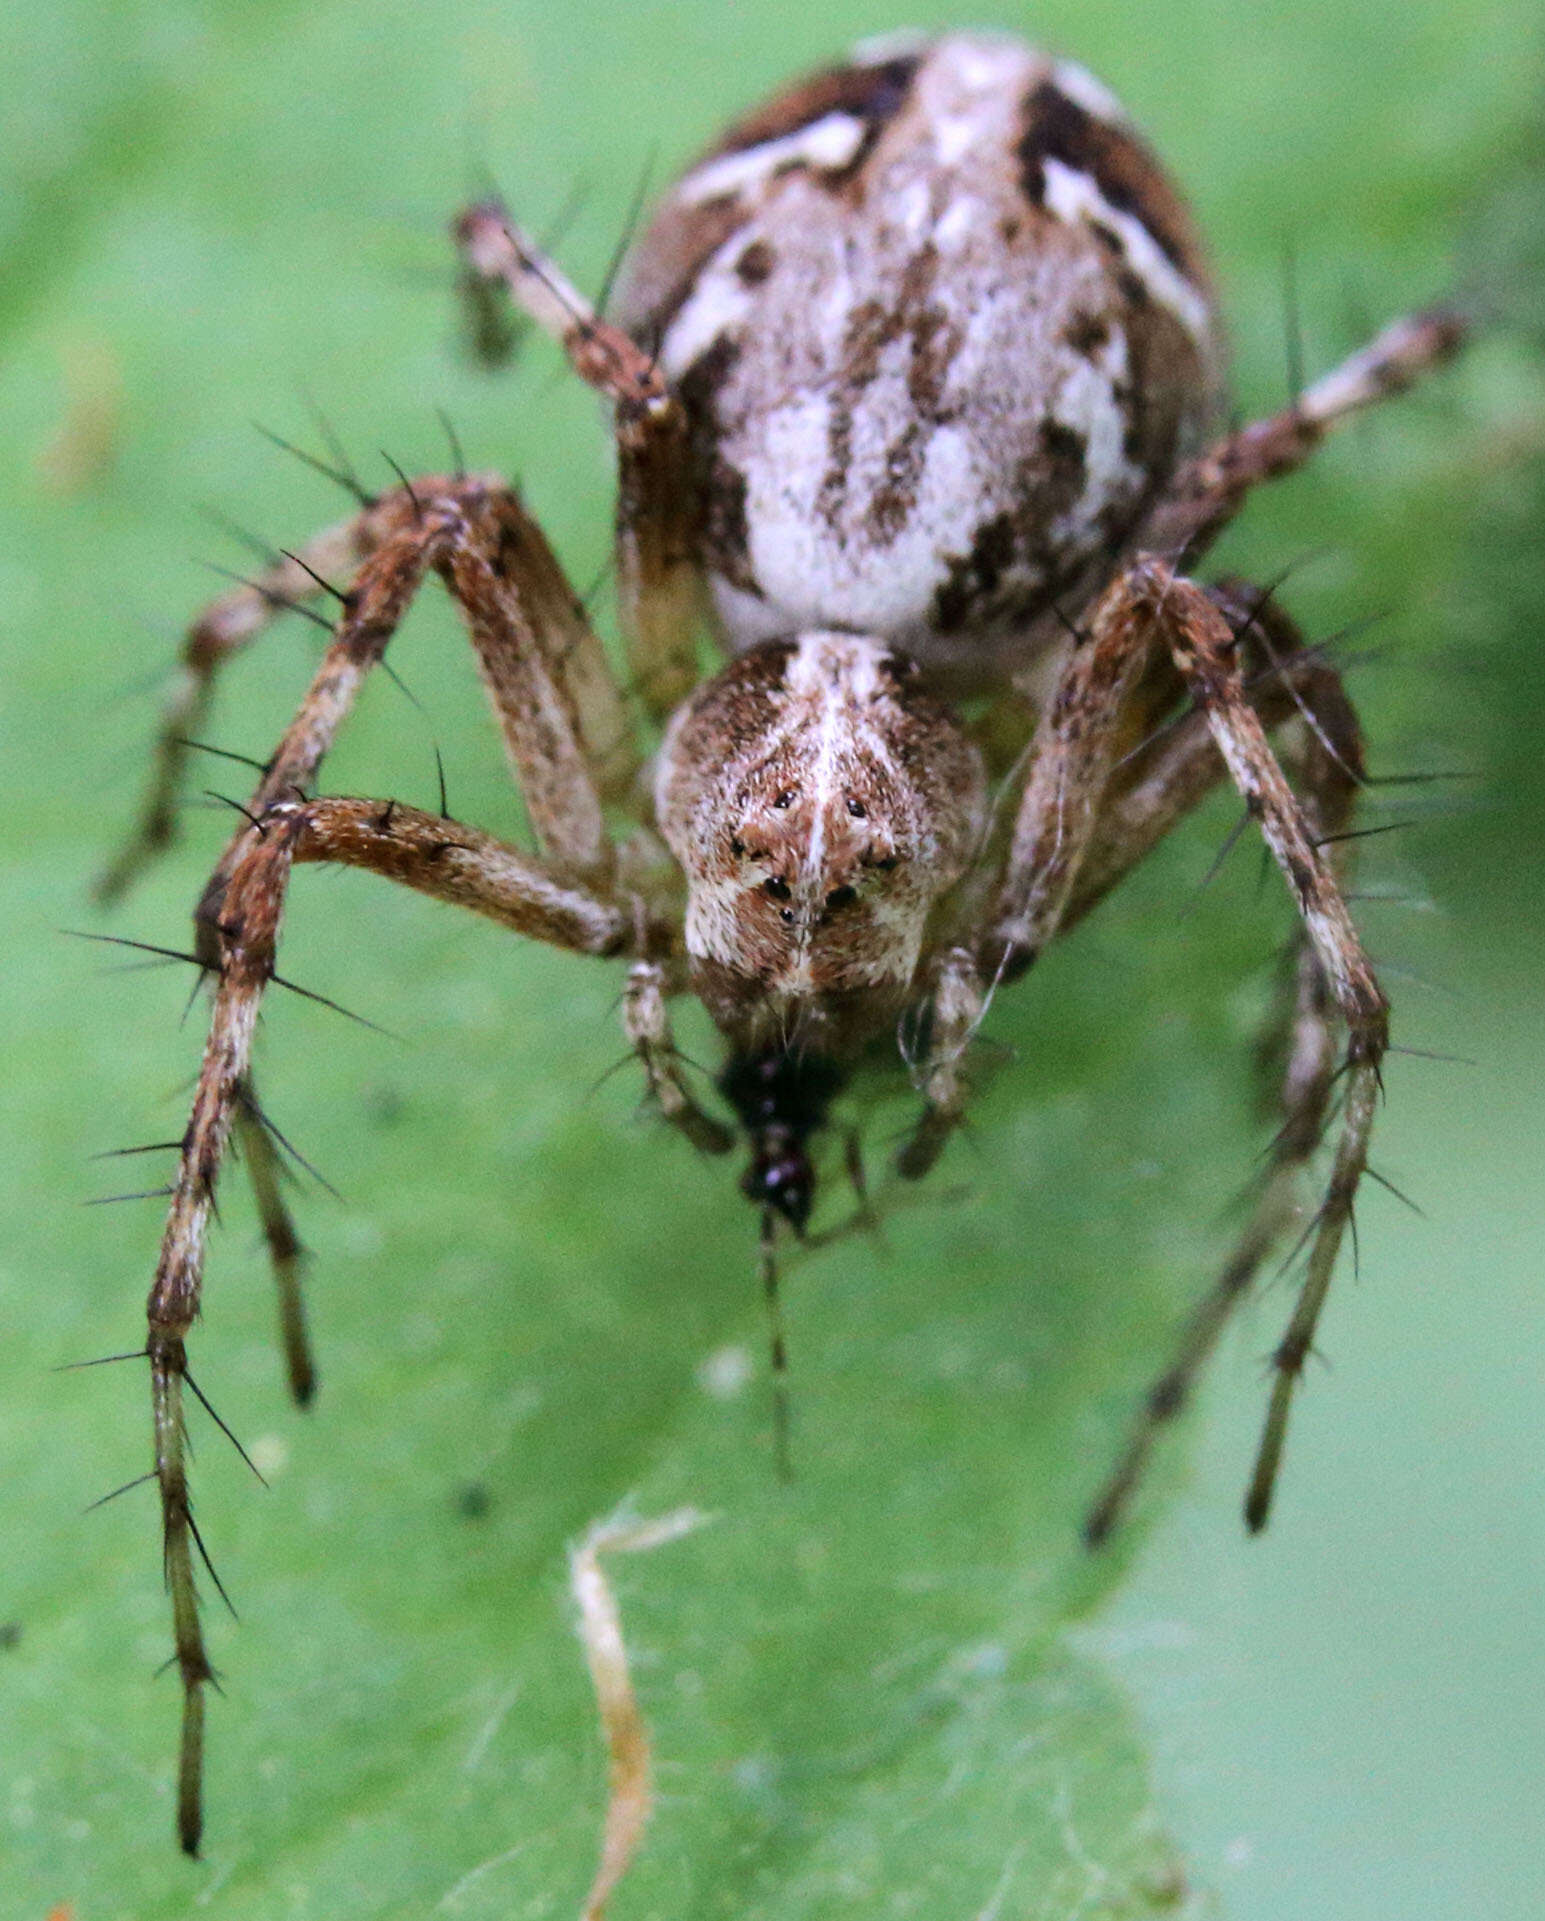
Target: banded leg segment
658	579
530	641
1083	820
221	631
285	1251
547	679
1207	653
1207	492
436	857
1327	760
1068	765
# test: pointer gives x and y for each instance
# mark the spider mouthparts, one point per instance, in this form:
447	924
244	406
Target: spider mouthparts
781	1098
781	1177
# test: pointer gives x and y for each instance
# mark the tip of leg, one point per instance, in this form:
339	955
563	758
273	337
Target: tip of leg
1097	1528
1257	1510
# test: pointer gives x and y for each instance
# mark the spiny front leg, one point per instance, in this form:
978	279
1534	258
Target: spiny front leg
1054	824
221	631
1207	653
541	665
436	857
1287	685
544	668
397	539
547	679
171	1310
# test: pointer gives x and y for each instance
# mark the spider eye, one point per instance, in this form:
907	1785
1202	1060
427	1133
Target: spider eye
840	896
857	809
785	799
776	888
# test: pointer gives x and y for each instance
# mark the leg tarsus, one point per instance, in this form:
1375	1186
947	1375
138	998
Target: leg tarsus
1297	1343
286	1252
1167	1397
168	1366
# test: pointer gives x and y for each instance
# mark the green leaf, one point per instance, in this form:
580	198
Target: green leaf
863	1689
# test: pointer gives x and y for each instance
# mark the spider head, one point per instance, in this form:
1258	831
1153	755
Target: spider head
821	804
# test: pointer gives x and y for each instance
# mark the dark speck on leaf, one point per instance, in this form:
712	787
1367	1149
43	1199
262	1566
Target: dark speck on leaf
473	1501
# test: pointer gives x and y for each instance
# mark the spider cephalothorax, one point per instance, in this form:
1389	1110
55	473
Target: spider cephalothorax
821	805
911	392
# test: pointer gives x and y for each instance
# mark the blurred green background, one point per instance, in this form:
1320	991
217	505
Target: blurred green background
898	1688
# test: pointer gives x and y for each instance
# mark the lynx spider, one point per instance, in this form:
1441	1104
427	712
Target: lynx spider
913	380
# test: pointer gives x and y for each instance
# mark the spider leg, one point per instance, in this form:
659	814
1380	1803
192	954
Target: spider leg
1206	493
1175	761
659	585
285	1249
958	1002
1077	737
646	1022
1068	764
1163	774
565	735
436	857
1328	763
1206	651
558	709
222	630
1084	816
382	554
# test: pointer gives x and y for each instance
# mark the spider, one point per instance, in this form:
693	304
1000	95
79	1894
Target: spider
915	380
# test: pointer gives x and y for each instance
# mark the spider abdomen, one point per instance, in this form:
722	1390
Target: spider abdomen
943	330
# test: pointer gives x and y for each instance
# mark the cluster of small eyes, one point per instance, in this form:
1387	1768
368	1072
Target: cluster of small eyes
775	887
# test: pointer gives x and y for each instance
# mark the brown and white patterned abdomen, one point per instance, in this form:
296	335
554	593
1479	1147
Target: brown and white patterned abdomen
944	330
